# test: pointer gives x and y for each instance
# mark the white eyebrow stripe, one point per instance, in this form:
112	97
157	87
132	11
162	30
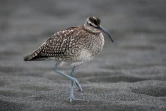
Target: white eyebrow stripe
95	18
89	22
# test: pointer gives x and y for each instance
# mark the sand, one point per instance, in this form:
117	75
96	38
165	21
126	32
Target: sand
128	75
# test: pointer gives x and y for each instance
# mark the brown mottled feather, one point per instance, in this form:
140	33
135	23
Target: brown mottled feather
63	45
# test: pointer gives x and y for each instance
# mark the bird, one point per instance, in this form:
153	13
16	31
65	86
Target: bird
72	47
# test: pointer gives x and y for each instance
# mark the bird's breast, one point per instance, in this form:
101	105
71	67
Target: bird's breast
96	44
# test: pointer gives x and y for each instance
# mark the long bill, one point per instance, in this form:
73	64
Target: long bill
103	30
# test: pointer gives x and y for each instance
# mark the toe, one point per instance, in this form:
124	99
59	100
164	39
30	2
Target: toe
71	99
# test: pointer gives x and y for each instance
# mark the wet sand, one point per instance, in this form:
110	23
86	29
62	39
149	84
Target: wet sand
128	75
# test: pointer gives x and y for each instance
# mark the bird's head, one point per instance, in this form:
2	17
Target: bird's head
92	24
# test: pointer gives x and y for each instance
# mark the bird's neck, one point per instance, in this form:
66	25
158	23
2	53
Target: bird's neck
90	30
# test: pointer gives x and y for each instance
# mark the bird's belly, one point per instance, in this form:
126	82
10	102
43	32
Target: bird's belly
84	56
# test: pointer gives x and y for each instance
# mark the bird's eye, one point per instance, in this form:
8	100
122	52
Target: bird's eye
90	24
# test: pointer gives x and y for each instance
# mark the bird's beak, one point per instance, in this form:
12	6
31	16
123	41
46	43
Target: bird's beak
103	30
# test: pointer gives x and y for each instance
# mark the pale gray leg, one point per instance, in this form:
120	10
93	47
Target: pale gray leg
74	80
72	75
71	98
72	86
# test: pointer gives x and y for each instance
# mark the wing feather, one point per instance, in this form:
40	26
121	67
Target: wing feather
63	45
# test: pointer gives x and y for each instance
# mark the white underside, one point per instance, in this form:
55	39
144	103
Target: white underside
84	56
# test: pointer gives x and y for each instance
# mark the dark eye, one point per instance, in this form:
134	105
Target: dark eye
90	24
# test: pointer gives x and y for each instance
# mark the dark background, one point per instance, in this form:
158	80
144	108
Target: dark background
127	75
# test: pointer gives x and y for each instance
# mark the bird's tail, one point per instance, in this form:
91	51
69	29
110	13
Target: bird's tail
35	54
32	56
27	58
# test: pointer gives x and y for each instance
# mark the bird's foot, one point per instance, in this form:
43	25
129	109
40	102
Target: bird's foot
72	98
77	84
80	90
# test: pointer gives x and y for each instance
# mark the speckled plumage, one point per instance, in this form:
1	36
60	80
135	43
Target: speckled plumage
74	45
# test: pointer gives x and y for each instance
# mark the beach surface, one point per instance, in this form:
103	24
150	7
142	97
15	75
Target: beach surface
128	75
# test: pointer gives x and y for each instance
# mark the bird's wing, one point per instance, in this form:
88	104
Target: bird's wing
63	44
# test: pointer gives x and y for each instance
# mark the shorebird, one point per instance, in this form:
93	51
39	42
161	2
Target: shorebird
73	46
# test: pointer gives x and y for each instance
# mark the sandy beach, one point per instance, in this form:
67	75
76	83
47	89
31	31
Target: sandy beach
128	75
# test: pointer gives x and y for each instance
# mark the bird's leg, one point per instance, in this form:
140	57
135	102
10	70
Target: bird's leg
69	77
74	80
72	75
71	98
71	89
72	86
